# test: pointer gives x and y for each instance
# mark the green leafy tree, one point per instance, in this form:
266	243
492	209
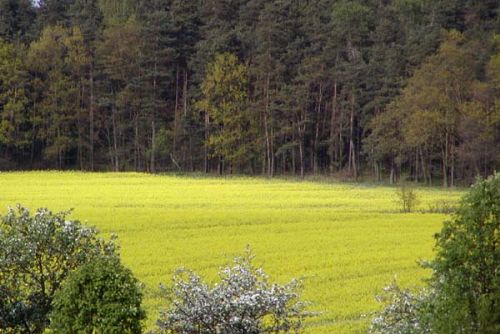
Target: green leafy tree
57	60
156	61
14	118
101	296
119	59
384	143
442	113
117	12
465	271
277	52
88	17
181	33
433	97
407	198
463	293
224	101
37	253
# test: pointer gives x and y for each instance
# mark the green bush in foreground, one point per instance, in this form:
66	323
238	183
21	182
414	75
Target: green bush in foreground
37	252
100	297
463	295
466	270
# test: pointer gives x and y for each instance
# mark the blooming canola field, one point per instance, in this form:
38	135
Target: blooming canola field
345	240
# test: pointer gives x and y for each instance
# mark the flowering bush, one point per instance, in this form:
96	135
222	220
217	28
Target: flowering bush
244	301
404	312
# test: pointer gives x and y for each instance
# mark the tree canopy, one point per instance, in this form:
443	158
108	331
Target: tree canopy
389	89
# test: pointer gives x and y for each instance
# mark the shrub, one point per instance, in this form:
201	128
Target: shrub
404	312
466	275
406	198
99	297
242	302
37	252
442	206
463	295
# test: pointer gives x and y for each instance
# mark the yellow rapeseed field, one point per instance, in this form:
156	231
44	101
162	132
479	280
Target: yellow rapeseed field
346	240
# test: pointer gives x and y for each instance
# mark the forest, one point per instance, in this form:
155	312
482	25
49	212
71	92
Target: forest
379	89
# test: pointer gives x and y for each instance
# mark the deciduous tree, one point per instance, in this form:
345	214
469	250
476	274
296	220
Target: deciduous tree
37	252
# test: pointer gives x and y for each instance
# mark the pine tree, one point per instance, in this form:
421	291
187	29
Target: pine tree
53	12
14	119
16	20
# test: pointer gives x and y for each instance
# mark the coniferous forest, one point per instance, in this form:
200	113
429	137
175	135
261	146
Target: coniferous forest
386	89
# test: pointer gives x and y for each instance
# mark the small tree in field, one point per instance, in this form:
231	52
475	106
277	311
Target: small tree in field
37	252
406	198
101	296
243	301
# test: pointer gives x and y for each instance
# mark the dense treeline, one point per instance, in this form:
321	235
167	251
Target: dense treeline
389	88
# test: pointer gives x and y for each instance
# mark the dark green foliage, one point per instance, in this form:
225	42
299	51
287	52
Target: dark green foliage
466	276
330	86
99	297
37	252
14	117
16	20
87	15
53	12
463	294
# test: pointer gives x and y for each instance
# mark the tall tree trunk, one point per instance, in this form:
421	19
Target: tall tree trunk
79	125
176	112
186	150
332	129
273	158
341	142
266	128
205	144
59	153
416	178
155	112
392	176
33	134
136	143
115	141
91	117
452	169
153	147
352	168
110	147
316	134
445	162
422	164
301	132
302	159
